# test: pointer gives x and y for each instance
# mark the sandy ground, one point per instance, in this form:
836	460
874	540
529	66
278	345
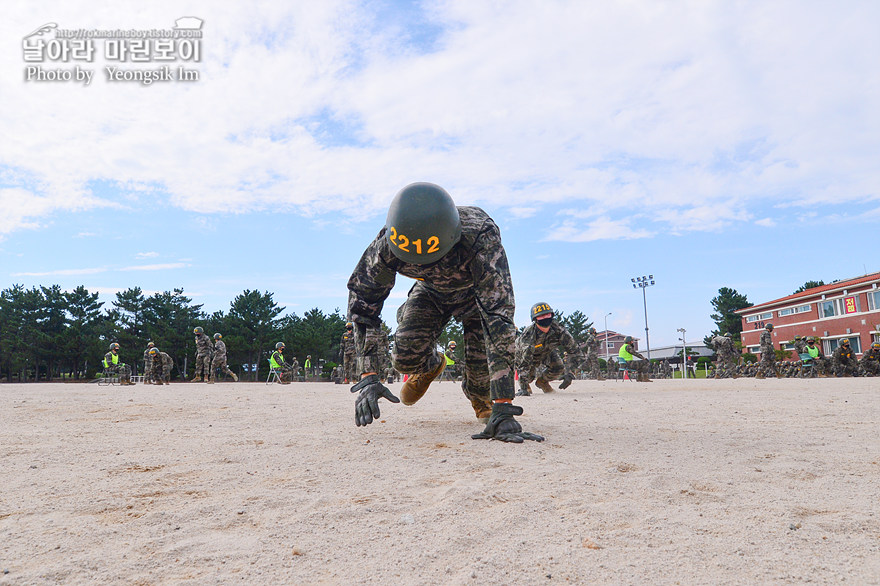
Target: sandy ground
690	482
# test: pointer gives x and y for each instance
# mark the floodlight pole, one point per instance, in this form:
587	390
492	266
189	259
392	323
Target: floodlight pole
643	283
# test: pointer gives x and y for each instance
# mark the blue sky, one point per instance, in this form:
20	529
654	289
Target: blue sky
710	144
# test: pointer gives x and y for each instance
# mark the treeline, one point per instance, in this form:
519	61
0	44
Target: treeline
47	333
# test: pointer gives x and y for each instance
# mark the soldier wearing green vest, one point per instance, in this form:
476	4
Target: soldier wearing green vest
628	353
277	362
112	365
307	366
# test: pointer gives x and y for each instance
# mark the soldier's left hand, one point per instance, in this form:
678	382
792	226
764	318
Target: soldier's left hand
366	406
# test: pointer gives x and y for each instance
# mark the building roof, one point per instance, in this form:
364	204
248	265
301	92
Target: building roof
813	292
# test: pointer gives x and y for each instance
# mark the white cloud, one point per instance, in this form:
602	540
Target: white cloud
679	109
603	228
142	255
62	272
156	267
766	222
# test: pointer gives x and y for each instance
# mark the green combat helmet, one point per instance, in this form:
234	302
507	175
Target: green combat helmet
540	310
422	224
198	330
628	340
279	346
769	327
114	346
218	336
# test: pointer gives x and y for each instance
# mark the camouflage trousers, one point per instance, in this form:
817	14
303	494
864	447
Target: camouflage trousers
219	363
160	372
203	366
349	365
593	365
871	367
148	369
123	371
726	367
547	365
768	363
844	367
420	322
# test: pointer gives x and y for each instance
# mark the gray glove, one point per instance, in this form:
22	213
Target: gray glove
566	381
366	406
502	426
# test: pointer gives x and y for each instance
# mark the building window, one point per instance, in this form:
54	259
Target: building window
792	310
828	308
873	300
759	317
610	345
754	349
831	345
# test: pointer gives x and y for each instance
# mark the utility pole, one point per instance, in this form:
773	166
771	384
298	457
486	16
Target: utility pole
683	353
606	336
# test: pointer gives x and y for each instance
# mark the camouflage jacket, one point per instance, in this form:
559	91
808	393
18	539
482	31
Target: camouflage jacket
533	345
871	355
475	269
203	344
592	343
843	355
220	349
346	345
766	341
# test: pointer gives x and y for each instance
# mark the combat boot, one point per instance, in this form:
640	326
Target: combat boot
234	376
759	375
643	378
544	385
210	381
416	385
524	391
482	409
195	379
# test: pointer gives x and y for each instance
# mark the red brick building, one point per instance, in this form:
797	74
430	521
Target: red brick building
845	309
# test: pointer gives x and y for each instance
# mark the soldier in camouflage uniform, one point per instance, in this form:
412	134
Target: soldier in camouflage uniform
203	356
346	350
219	360
626	353
768	356
160	367
450	357
727	356
537	352
112	365
870	361
461	272
148	363
843	361
592	344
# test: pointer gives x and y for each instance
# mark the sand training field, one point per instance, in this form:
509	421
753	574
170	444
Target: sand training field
673	482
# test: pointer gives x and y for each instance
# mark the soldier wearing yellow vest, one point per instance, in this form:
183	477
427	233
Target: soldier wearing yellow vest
277	362
449	355
628	353
112	365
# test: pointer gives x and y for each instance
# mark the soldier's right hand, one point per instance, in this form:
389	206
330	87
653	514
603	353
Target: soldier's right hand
366	406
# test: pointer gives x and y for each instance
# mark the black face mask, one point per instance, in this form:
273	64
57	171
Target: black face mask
544	322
